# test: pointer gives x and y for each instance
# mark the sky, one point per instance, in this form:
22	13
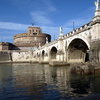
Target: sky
17	15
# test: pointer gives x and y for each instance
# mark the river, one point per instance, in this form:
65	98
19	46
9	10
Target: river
25	81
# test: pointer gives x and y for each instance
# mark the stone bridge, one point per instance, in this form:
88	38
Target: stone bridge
73	47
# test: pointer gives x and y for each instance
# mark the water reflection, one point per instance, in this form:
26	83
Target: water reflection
42	82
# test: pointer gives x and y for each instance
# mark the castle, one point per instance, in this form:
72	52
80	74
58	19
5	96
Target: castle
26	41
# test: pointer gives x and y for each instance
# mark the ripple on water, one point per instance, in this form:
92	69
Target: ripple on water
24	81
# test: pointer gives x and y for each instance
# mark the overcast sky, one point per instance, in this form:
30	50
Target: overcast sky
17	15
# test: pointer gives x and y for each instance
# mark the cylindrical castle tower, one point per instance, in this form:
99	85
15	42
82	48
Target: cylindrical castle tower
33	38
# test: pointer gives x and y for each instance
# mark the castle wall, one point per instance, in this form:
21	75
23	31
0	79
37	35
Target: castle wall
0	47
22	56
30	40
5	56
4	46
33	38
19	56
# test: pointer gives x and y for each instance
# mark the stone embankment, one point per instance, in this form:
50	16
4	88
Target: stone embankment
85	68
57	63
93	97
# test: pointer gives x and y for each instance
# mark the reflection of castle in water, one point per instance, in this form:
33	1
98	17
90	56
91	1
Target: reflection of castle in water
38	78
5	72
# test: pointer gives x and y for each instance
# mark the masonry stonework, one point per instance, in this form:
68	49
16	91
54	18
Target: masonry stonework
33	38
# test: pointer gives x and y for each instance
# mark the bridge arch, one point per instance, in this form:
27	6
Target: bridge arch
37	54
78	37
77	51
43	54
53	53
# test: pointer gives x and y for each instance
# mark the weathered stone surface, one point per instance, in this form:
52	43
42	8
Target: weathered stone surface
5	56
94	52
32	38
93	97
55	63
82	68
43	62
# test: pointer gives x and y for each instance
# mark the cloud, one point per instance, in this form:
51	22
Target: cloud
8	30
77	22
6	39
40	11
29	5
23	5
41	18
54	31
49	5
13	26
16	28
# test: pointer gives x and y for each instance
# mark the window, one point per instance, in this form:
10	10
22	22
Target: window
34	33
30	31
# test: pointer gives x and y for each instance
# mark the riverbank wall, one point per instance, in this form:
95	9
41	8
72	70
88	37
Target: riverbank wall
5	56
8	56
28	57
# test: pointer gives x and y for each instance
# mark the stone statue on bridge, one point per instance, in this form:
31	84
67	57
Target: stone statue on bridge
61	31
97	4
46	39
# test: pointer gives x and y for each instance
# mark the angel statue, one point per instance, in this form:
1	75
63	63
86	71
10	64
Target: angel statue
97	4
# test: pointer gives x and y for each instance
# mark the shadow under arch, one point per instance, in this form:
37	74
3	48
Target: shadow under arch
37	54
77	51
53	53
43	53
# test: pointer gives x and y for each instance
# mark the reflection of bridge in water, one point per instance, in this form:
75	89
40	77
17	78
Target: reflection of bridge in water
38	78
74	46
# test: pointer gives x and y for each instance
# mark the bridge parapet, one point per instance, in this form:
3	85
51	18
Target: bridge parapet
49	44
78	30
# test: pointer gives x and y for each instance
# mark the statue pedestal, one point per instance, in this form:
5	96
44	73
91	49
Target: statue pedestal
97	13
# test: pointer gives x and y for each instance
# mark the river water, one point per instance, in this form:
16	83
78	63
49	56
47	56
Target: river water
24	81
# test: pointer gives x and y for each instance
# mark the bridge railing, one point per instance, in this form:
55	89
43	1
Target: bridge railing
78	30
50	43
74	32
